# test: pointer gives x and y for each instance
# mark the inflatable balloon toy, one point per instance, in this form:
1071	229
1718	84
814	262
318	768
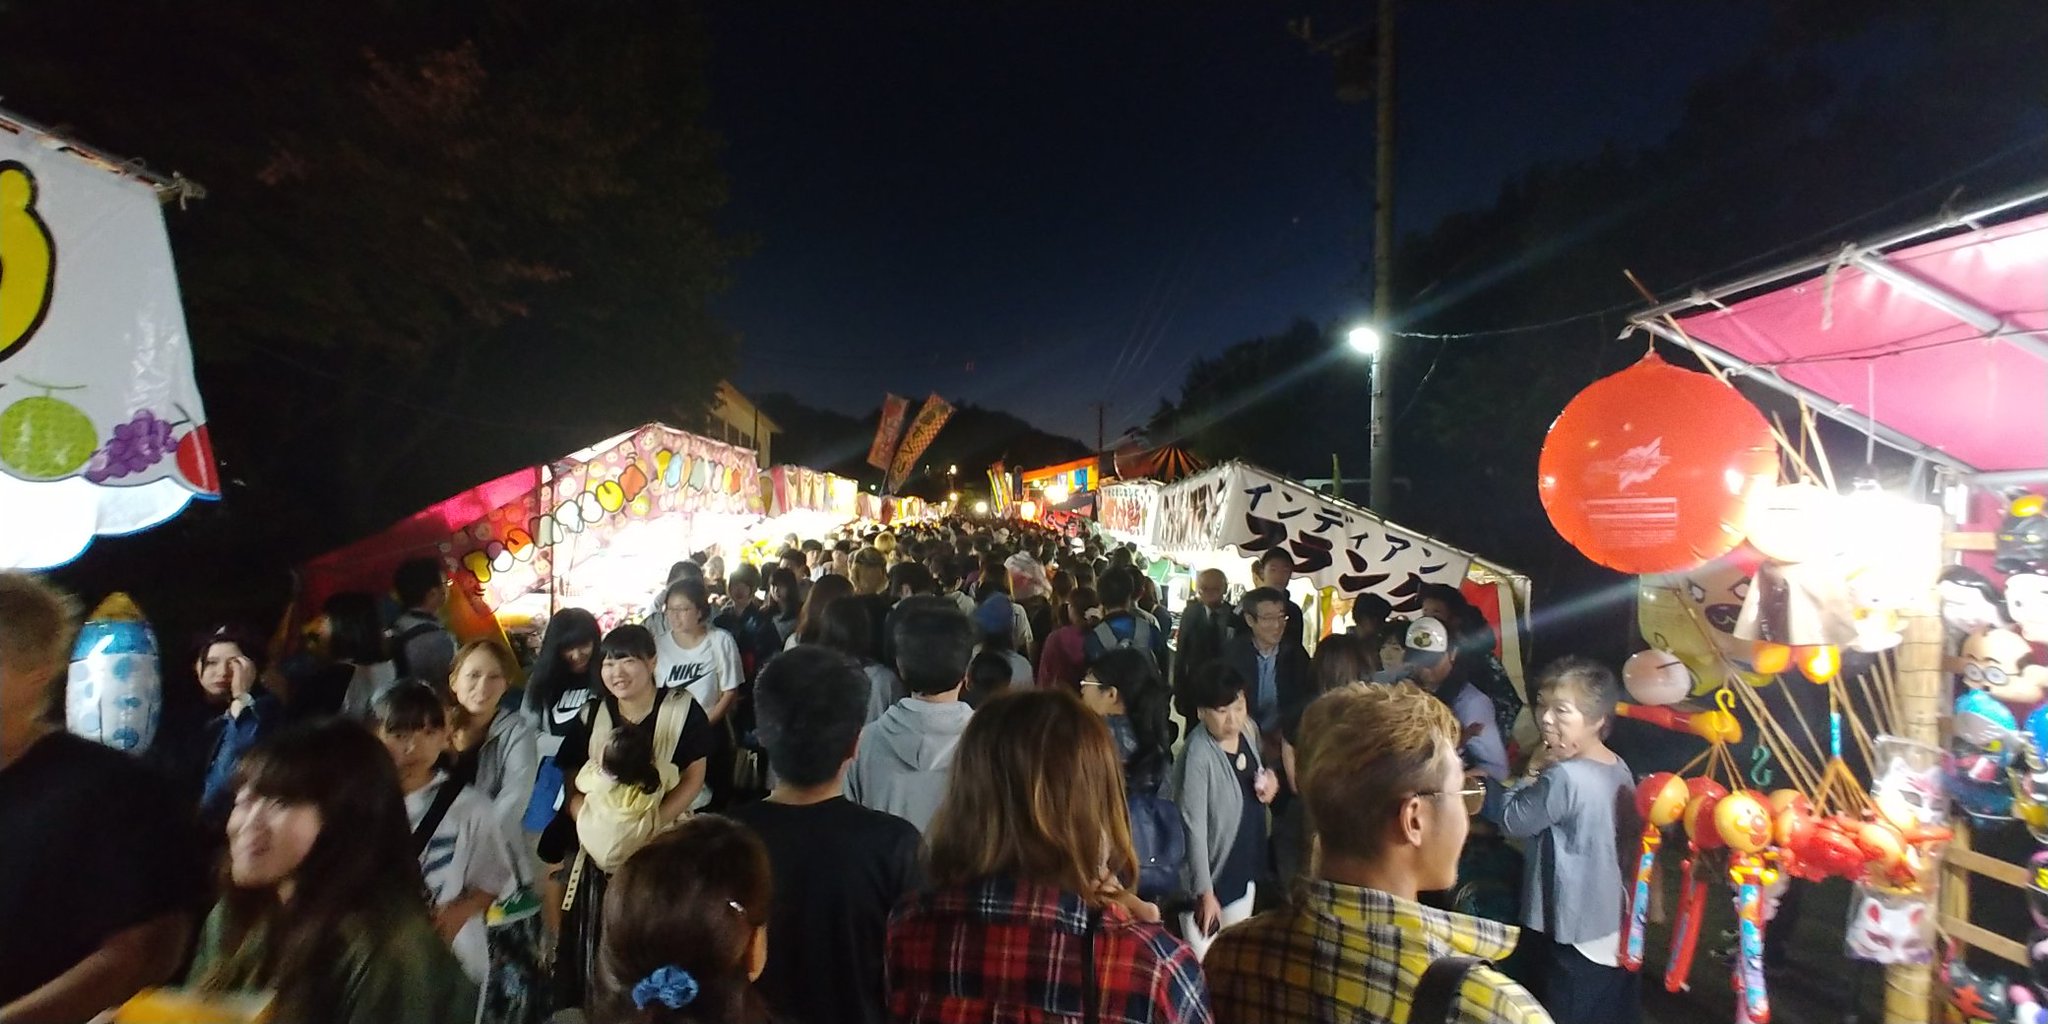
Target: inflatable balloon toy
1660	802
1701	836
1656	678
1980	754
1652	469
2029	776
114	694
2000	663
2022	539
1692	614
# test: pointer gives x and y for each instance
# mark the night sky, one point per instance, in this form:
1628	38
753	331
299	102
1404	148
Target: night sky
1002	201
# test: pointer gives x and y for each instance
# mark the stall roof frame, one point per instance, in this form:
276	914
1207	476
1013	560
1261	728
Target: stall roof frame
1871	257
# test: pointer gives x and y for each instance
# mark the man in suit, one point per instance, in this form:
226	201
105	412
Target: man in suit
1275	669
1207	627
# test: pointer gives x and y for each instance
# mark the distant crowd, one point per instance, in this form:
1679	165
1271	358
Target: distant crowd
956	772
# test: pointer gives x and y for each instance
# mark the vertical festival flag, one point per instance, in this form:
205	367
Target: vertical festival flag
930	417
882	453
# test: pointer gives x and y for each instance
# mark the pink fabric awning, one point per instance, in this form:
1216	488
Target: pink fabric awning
1944	342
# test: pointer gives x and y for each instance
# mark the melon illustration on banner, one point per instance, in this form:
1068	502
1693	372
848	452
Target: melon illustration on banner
1653	469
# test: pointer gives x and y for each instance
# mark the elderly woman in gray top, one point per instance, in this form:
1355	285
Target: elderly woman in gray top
1222	788
1575	808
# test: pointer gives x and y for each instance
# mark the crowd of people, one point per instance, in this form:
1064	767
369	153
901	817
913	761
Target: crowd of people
961	771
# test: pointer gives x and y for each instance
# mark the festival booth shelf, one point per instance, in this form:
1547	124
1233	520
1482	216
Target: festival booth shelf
1224	516
102	432
1930	340
603	523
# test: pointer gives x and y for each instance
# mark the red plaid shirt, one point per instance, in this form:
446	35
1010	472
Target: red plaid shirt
1001	952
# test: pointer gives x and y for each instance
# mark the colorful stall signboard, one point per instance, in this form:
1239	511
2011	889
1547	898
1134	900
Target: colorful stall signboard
923	431
101	428
1129	511
796	488
889	432
647	473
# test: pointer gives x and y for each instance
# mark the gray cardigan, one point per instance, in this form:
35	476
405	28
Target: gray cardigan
1579	816
1205	786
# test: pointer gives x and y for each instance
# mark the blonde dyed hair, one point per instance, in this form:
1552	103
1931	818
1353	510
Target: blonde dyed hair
38	622
1037	795
1364	749
458	716
870	571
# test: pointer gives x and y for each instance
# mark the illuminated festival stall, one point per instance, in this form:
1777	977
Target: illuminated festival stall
1228	515
1876	632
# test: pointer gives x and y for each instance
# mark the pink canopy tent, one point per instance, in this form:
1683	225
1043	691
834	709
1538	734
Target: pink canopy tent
1933	339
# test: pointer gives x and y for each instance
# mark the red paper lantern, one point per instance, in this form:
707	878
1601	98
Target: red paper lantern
1652	469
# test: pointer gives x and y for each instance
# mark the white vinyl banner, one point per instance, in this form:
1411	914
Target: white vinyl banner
1335	545
101	428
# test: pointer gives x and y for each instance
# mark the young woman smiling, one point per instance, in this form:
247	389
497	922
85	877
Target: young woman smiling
322	898
681	735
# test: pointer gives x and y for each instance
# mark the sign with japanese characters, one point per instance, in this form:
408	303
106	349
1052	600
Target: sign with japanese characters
1129	511
1333	543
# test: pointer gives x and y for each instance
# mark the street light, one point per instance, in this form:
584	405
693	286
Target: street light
981	508
1364	340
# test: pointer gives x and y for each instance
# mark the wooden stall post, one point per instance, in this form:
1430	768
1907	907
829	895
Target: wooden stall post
1908	988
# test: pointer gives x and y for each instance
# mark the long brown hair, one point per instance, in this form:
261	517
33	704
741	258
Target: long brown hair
458	716
1341	659
360	879
690	900
1036	794
811	621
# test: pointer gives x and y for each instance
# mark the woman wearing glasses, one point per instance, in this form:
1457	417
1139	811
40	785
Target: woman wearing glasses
1575	805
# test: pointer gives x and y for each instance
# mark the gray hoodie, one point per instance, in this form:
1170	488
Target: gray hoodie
905	757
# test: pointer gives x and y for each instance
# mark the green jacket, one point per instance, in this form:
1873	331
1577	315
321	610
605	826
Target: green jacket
405	976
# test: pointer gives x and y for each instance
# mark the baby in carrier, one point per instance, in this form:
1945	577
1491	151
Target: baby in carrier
622	793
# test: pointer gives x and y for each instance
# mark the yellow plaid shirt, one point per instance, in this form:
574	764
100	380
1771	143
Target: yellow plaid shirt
1349	955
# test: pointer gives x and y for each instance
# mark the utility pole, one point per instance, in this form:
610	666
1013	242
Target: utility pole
1100	443
1383	269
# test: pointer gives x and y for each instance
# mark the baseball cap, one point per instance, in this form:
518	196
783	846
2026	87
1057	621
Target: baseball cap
1427	636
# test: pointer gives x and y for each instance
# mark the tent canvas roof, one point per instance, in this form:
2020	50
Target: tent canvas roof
1935	339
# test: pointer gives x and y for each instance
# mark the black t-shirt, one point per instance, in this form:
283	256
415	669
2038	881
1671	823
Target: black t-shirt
839	869
697	742
91	844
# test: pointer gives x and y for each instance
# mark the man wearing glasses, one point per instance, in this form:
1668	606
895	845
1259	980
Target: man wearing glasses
1387	798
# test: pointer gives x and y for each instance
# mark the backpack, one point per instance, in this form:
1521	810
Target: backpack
399	639
1435	999
1161	840
1102	640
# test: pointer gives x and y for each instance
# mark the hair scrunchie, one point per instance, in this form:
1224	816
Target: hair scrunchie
670	986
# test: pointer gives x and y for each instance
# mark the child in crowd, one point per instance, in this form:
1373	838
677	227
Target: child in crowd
1222	788
464	855
622	793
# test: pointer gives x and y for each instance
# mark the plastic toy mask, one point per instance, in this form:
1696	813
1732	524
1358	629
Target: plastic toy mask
1995	661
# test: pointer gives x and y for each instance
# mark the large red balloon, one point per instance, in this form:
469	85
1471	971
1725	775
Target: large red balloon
1653	468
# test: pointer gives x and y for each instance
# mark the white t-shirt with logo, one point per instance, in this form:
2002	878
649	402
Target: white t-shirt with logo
707	670
468	851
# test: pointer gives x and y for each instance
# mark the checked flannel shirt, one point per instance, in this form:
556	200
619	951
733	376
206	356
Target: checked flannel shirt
1353	955
1002	952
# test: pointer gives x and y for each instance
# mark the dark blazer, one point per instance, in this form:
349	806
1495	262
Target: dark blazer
1203	637
1291	682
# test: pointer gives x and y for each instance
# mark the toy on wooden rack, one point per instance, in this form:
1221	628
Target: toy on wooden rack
1985	742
